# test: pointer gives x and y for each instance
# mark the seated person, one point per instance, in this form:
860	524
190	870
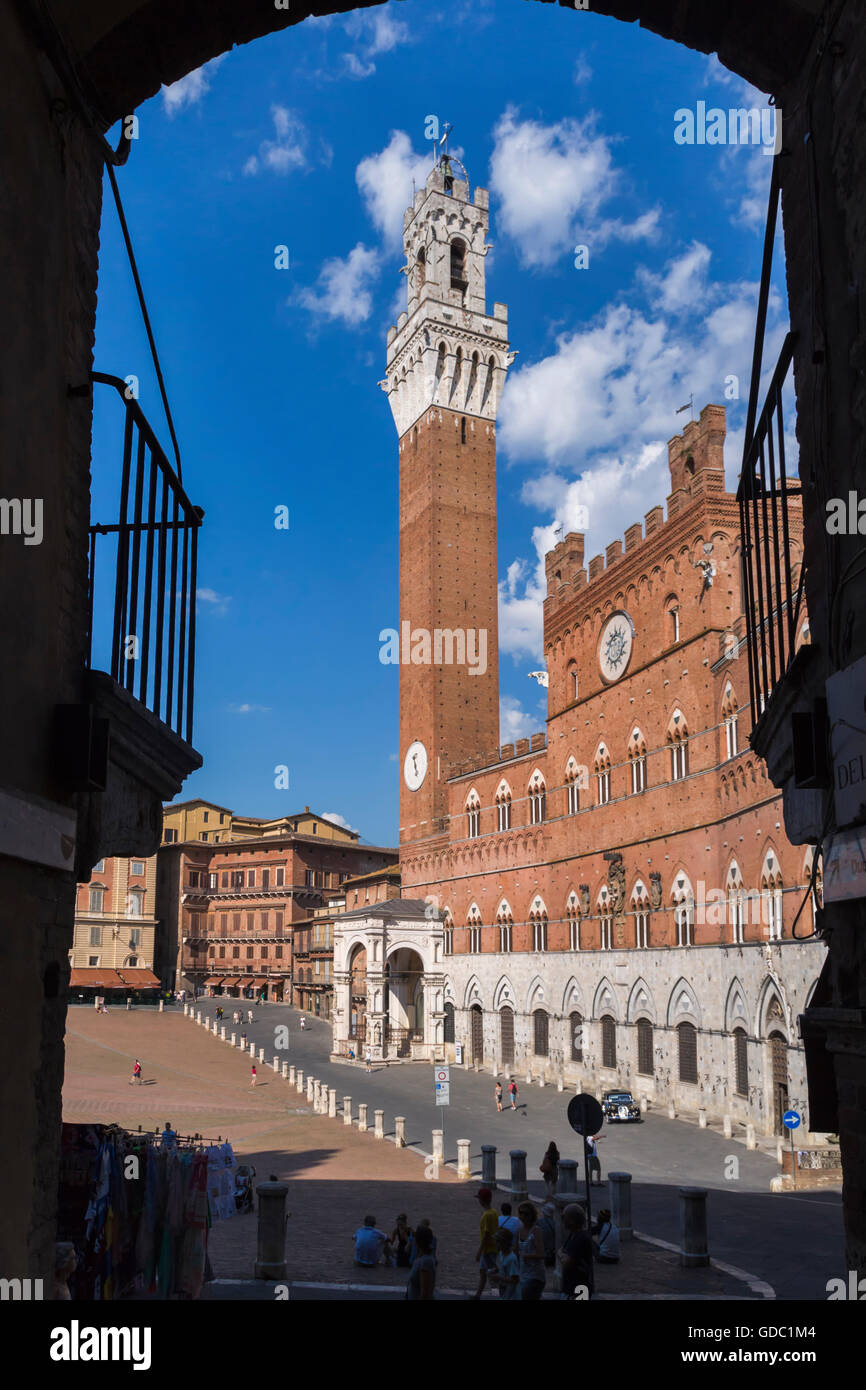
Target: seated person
370	1243
606	1243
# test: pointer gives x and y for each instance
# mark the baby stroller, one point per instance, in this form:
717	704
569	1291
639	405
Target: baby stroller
244	1187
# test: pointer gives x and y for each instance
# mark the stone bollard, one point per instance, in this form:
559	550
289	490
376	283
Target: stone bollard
560	1086
310	1087
271	1252
727	1127
488	1166
379	1124
261	1054
751	1141
438	1148
198	1017
276	1064
644	1106
161	1005
252	1050
291	1076
529	1078
234	1039
519	1189
566	1178
476	1065
619	1192
780	1149
332	1103
362	1119
284	1071
693	1227
541	1078
400	1131
702	1119
672	1110
223	1033
347	1110
463	1168
299	1080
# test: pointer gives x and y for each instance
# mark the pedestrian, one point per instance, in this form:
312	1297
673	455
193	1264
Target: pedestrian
303	1023
547	1227
371	1244
253	1077
485	1256
549	1168
510	1222
530	1248
497	1093
128	1003
507	1276
249	1015
136	1072
422	1277
368	1058
401	1239
593	1158
512	1091
578	1279
606	1239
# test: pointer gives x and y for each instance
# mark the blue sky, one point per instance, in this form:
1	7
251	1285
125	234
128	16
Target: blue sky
310	139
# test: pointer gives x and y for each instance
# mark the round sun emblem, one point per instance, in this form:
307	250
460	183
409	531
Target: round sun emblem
615	647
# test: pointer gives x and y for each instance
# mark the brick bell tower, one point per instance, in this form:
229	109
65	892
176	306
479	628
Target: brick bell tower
446	365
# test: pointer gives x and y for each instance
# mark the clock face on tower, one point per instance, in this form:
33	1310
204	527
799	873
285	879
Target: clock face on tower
614	649
415	765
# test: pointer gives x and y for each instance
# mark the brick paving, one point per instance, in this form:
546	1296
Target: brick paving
335	1174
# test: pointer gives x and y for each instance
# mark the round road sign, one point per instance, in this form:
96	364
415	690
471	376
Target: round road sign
791	1119
585	1115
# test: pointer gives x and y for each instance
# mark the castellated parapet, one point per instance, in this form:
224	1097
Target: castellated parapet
446	350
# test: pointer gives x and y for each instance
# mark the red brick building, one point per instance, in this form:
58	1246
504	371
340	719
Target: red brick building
232	908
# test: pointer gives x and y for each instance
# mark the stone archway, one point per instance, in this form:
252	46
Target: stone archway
404	1001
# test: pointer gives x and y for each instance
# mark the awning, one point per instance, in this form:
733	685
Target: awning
95	978
214	980
136	977
231	983
258	981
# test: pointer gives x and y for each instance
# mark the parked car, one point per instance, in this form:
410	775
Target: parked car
620	1105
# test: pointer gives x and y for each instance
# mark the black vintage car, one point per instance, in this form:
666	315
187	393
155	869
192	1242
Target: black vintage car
620	1105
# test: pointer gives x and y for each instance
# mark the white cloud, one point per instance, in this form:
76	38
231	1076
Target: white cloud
217	603
249	709
683	285
189	90
339	820
516	722
550	183
385	182
378	31
344	287
582	71
287	151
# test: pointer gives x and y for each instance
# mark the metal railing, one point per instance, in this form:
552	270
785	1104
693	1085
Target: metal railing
153	637
771	598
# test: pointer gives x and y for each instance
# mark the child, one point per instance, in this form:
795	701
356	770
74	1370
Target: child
253	1077
507	1273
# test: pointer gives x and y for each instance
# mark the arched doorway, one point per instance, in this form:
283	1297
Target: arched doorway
506	1035
358	996
476	1032
779	1079
404	1001
448	1031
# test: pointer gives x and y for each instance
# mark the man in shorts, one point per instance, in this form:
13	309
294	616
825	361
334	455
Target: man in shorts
487	1248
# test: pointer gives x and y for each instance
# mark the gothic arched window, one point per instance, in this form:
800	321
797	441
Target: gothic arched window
458	264
637	761
541	1032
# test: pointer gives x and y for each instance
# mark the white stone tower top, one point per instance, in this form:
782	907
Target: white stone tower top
445	350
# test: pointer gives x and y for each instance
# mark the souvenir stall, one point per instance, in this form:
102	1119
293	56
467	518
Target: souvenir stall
138	1206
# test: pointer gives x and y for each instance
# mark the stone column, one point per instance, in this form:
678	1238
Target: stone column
347	1110
619	1190
727	1127
271	1252
519	1189
362	1119
379	1124
566	1180
332	1102
693	1227
488	1166
751	1141
400	1131
438	1147
463	1169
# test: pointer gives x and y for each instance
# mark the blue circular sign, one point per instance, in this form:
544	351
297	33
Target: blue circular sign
791	1119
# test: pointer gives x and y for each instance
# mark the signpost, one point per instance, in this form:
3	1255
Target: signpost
586	1117
791	1120
442	1081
